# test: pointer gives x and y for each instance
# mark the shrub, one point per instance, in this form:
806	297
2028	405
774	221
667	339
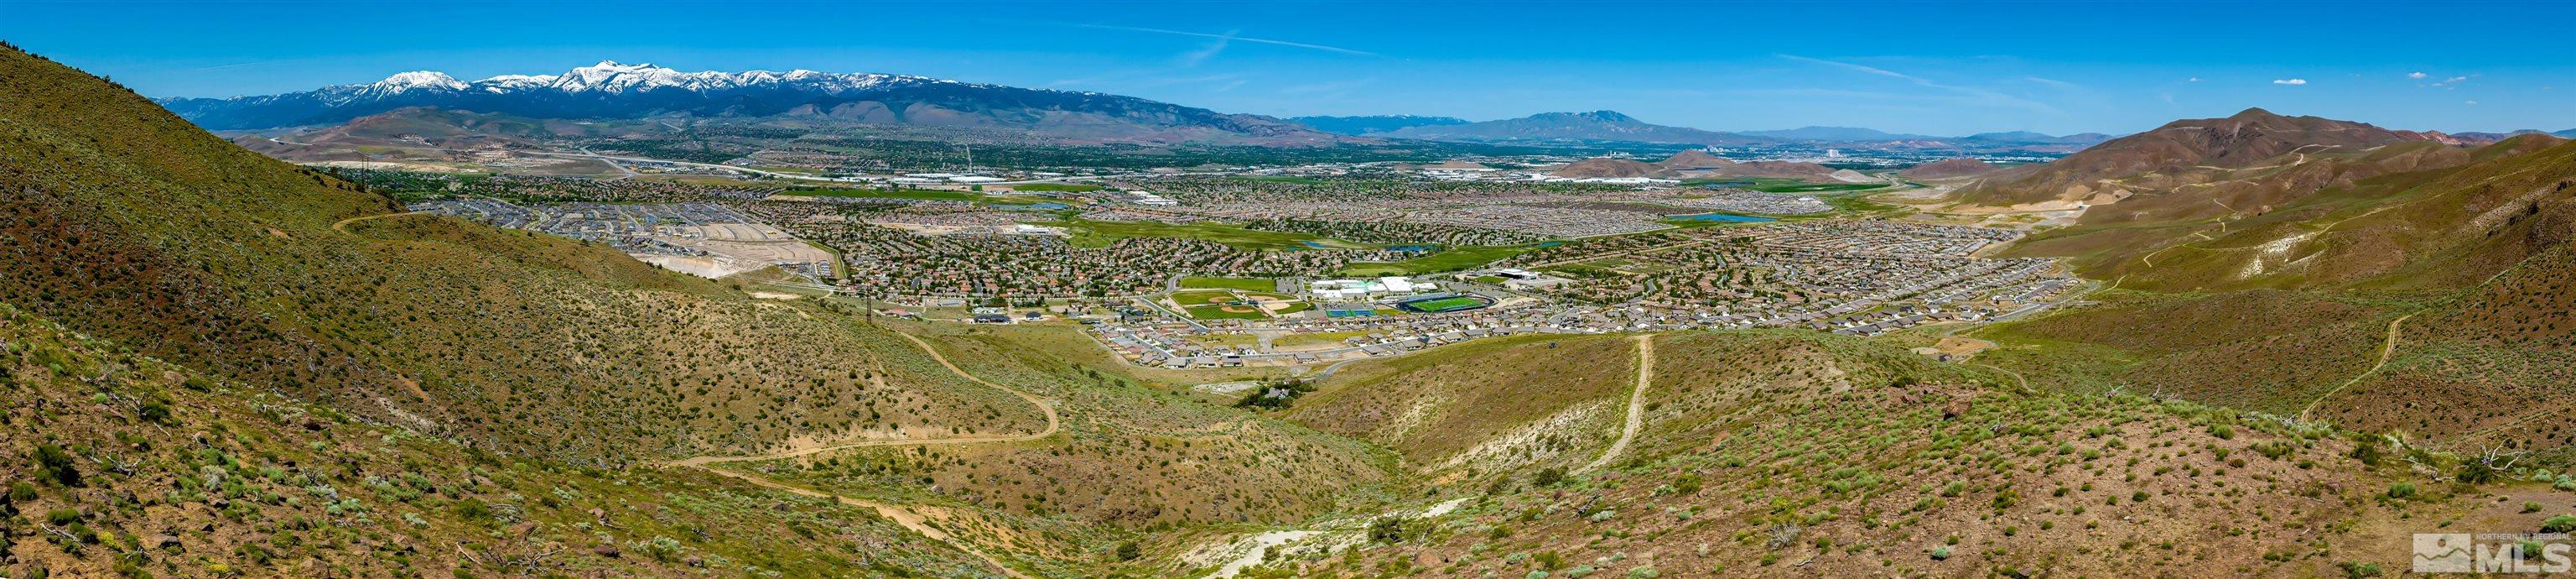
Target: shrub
1686	484
2479	472
2360	570
2559	524
474	510
54	464
1547	476
2401	491
1941	553
1386	530
2367	451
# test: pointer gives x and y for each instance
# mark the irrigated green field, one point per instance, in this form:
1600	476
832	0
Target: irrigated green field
1448	259
1240	283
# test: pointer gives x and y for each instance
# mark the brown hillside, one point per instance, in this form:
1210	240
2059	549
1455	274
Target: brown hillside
137	226
2248	139
1607	168
1694	159
1947	168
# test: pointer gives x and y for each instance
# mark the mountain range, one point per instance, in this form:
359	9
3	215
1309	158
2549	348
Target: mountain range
611	90
219	364
1614	126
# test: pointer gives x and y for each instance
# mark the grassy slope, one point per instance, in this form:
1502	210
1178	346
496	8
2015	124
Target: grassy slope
1798	454
2476	254
1491	405
182	474
141	228
1135	462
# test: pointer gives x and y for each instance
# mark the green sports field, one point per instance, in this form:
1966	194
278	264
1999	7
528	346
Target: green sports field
1444	305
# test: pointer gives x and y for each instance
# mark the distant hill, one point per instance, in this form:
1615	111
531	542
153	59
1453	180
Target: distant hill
1362	125
139	227
610	90
2569	133
1814	133
1591	126
2250	138
2458	270
1601	168
1948	168
1694	159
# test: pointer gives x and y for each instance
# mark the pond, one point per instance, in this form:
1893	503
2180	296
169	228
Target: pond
1726	217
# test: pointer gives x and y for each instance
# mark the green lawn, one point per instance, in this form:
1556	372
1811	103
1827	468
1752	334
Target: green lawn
1088	233
1199	298
1241	283
1452	259
1814	187
1219	313
1056	187
1446	304
922	194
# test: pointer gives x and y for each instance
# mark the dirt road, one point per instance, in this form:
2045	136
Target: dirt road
1636	405
2385	350
901	515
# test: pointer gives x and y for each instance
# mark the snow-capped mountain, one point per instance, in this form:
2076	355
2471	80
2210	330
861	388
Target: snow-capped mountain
612	90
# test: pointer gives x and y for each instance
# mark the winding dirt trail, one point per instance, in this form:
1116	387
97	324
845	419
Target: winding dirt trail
1054	424
343	225
901	515
2385	350
1636	405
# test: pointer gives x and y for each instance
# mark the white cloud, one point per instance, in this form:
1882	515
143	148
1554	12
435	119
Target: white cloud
2192	79
1231	37
1988	95
2053	82
2473	103
2290	81
2417	75
1194	57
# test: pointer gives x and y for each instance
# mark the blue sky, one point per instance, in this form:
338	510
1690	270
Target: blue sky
1934	68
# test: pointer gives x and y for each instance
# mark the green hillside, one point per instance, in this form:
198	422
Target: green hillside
124	465
143	229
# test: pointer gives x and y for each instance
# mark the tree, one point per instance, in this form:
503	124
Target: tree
1129	551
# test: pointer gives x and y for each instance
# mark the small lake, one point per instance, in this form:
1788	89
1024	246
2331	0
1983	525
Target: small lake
1725	217
1412	248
